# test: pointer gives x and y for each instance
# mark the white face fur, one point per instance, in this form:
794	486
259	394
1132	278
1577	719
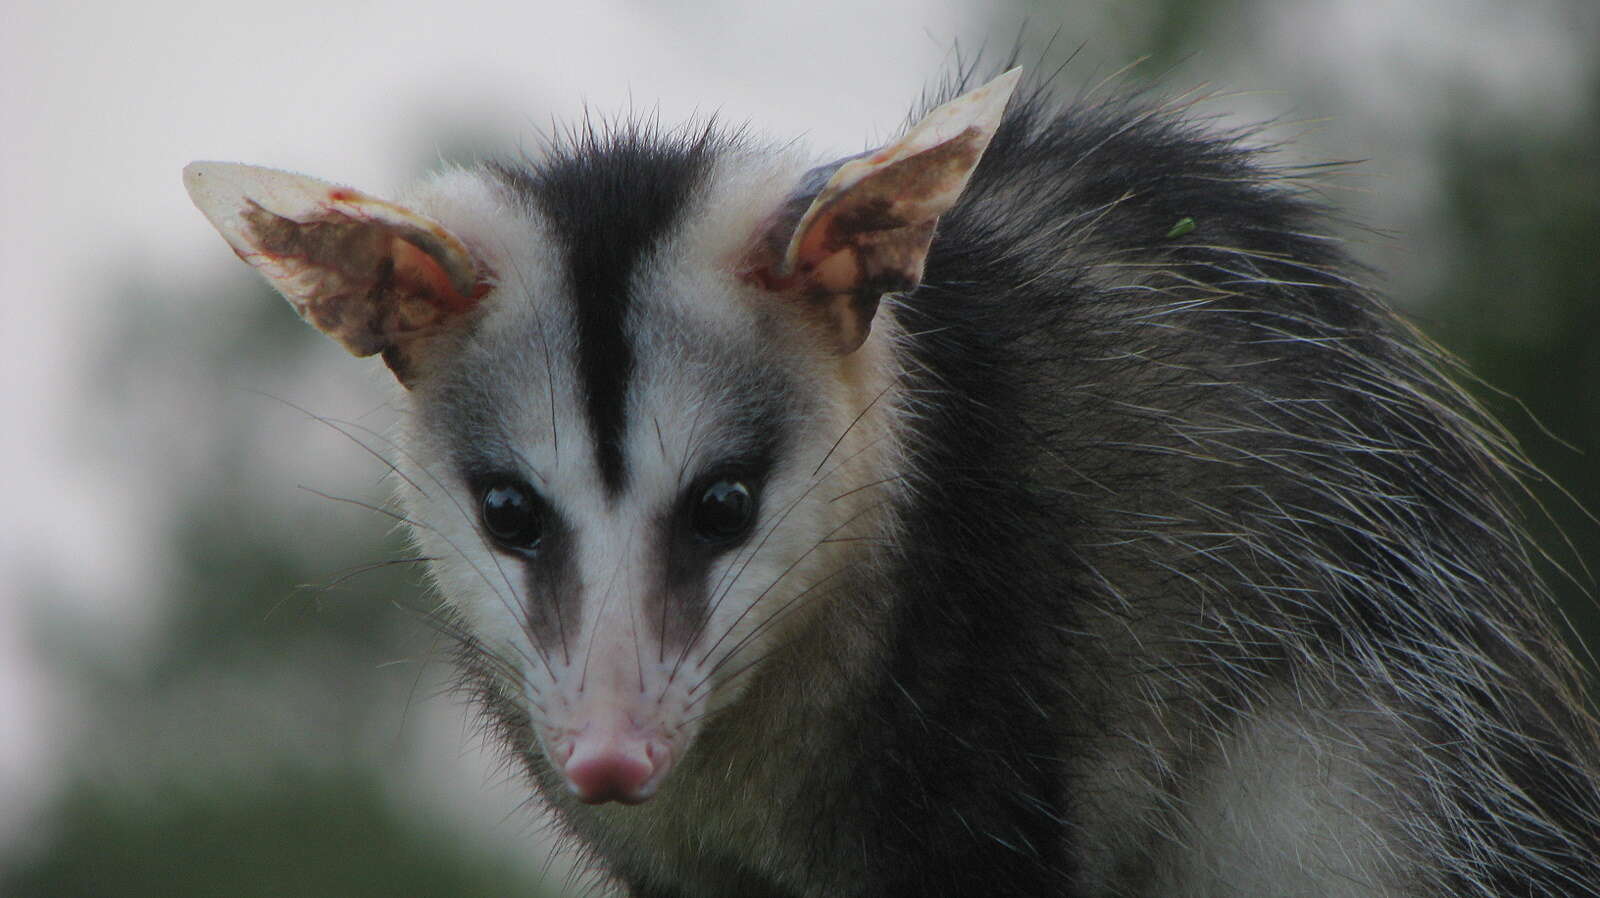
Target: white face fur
625	626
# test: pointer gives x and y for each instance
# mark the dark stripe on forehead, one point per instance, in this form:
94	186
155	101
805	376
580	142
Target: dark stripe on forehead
610	195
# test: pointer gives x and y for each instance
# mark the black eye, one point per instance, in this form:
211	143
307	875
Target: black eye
724	511
512	515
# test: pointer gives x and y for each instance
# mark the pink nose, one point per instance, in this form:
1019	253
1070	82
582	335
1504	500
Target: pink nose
611	772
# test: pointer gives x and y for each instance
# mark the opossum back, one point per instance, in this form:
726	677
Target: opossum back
1140	359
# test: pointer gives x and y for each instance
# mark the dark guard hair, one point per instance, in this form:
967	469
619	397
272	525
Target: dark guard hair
1147	397
1227	432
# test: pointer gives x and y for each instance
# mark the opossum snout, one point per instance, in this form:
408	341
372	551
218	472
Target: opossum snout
616	729
606	767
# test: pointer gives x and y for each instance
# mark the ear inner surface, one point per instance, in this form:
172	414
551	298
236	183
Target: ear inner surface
868	231
370	274
365	284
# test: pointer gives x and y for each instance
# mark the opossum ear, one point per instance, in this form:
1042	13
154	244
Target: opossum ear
836	251
370	274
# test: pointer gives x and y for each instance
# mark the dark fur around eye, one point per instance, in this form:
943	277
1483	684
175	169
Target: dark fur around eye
513	514
723	512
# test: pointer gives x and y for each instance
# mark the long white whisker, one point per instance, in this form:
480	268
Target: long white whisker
343	427
405	519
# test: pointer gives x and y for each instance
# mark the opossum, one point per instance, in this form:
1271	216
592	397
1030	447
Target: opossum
1036	505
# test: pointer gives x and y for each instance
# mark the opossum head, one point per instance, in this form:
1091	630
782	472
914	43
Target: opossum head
646	431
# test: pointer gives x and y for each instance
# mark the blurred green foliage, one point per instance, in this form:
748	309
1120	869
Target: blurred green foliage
245	751
283	833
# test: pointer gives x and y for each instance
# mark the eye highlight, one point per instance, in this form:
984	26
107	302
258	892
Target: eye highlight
513	515
723	512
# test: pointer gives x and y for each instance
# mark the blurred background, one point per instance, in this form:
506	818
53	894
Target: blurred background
215	673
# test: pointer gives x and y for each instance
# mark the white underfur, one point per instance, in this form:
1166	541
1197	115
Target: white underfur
1288	810
1287	802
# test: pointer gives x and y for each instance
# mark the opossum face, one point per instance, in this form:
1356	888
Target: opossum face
636	508
646	420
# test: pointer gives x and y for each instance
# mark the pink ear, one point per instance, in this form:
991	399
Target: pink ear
367	273
867	232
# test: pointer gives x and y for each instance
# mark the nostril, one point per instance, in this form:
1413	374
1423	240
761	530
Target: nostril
614	774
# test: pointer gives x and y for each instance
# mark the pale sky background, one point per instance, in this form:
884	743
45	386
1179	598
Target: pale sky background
102	104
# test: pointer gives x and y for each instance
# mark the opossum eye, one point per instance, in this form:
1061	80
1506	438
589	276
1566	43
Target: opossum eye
724	511
512	515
